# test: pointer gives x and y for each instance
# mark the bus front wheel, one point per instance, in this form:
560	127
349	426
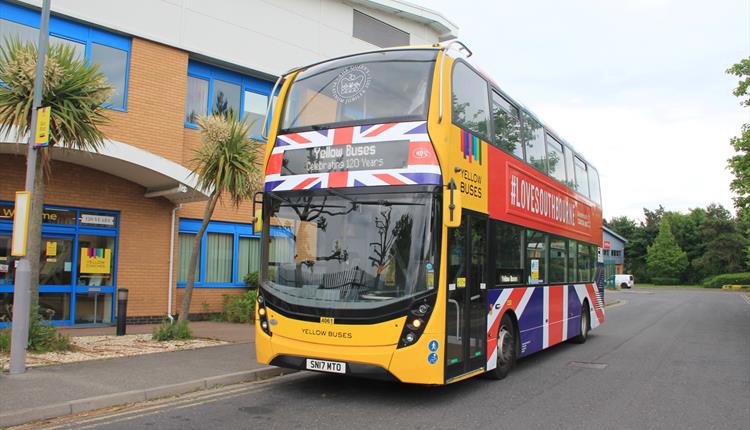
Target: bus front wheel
585	315
506	348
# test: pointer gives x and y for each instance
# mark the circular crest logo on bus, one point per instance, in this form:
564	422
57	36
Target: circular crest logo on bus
421	153
351	84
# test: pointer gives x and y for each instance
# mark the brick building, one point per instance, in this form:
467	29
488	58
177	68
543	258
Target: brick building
125	217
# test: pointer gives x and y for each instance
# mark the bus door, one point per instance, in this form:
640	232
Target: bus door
466	317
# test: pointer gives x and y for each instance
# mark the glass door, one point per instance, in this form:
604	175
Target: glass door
95	281
465	316
56	278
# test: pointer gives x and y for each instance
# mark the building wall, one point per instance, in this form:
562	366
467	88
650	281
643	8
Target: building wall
143	248
164	41
156	101
291	32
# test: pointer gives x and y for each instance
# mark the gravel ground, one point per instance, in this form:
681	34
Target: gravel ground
101	347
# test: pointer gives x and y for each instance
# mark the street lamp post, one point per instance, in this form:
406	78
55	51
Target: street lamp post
22	288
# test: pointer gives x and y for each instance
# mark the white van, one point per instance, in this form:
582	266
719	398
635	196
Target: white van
624	281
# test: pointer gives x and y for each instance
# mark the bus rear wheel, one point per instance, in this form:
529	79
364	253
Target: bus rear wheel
506	348
585	315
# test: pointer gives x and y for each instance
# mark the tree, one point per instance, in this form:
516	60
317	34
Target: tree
227	163
740	163
75	92
665	260
687	232
724	244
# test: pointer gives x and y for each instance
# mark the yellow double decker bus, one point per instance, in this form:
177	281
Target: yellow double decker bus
419	225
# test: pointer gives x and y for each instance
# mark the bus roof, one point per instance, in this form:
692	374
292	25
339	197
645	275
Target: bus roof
447	48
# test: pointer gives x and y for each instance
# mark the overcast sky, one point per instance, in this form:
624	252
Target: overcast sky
637	86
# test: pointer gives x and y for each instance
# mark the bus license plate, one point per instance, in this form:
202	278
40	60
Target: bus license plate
326	366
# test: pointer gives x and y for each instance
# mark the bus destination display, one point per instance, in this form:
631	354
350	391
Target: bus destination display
341	158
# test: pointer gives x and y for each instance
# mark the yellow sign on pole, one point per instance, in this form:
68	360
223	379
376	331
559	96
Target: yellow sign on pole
258	223
20	224
42	127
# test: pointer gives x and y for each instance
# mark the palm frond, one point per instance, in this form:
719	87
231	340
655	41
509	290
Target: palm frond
227	161
74	90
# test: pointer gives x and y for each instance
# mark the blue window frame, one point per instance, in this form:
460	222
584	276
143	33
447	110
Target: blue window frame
237	232
99	44
206	81
71	227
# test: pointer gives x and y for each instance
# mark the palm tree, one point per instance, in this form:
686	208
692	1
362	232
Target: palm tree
75	92
227	162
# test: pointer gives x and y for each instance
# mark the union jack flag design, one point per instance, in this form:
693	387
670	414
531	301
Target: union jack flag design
421	168
546	315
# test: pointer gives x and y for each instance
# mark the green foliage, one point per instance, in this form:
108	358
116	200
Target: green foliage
73	89
742	71
718	281
252	280
240	309
739	164
169	330
5	341
665	259
725	244
43	337
227	161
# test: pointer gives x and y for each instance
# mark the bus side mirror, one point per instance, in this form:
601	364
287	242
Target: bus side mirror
451	205
257	218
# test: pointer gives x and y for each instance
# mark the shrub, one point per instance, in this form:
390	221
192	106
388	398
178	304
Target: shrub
169	330
251	280
240	309
4	340
665	281
42	336
718	281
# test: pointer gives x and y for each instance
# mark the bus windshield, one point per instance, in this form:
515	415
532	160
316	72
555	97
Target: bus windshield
353	251
364	89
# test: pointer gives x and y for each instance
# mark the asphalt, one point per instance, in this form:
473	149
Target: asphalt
664	359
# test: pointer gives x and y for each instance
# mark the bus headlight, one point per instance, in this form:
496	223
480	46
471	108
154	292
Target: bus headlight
416	321
263	315
410	337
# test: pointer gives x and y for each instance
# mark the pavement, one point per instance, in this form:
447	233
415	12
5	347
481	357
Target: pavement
672	359
51	391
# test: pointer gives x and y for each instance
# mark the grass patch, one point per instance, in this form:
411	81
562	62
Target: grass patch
637	286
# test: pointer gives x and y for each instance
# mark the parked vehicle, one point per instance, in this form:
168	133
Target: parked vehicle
624	281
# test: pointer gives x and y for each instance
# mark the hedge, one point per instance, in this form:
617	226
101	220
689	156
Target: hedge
718	281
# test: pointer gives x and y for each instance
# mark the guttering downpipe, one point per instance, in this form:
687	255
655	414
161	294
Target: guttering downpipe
171	262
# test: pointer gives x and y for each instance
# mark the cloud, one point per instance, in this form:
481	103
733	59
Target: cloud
676	159
637	86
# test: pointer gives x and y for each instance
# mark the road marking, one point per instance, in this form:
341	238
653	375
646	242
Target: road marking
746	297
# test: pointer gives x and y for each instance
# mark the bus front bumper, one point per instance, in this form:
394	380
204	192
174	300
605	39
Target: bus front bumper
409	364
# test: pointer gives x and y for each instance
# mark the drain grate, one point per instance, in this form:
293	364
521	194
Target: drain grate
586	365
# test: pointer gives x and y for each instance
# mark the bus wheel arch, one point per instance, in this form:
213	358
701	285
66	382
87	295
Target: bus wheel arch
508	345
585	322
